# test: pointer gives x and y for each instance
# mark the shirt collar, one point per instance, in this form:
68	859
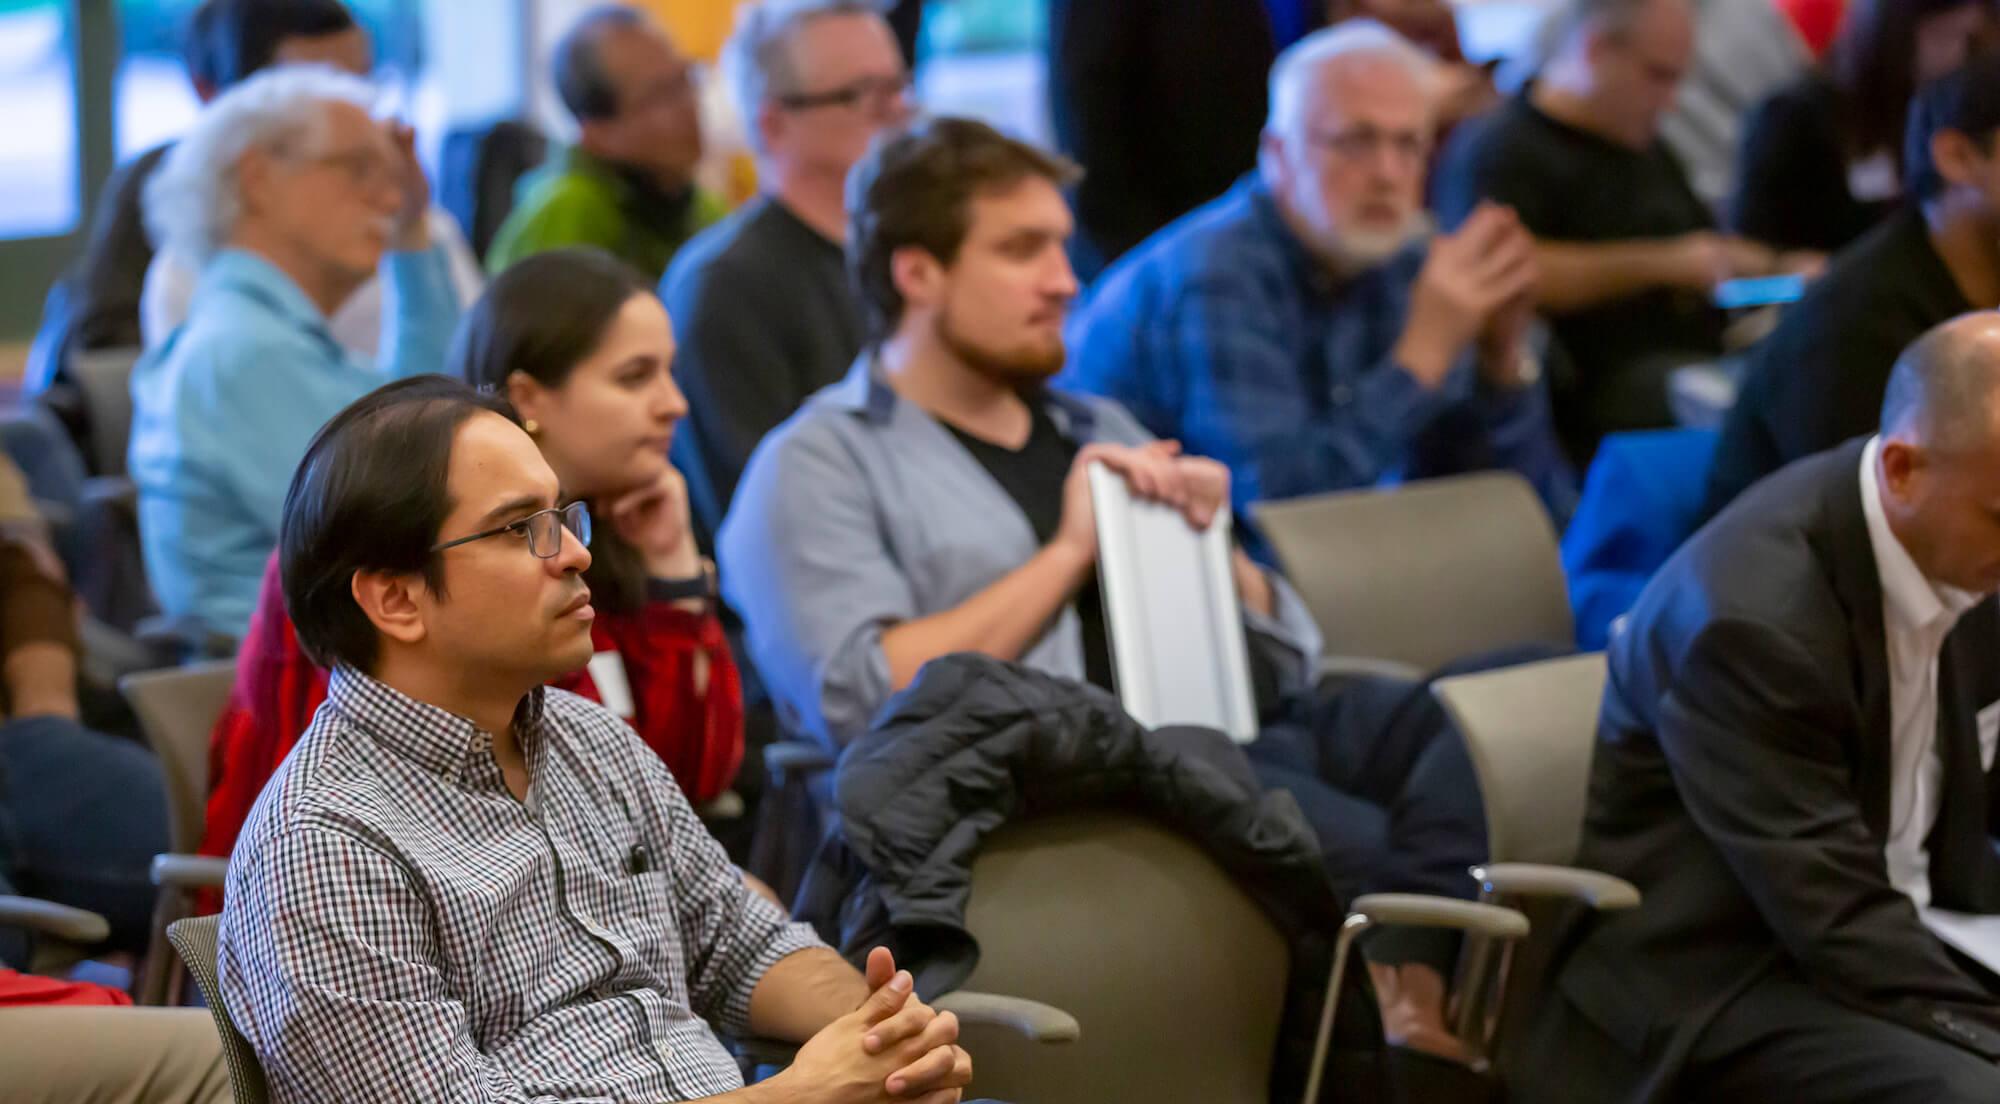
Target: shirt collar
437	740
1911	600
249	274
866	391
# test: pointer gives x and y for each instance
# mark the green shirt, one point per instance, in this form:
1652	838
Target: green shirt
578	199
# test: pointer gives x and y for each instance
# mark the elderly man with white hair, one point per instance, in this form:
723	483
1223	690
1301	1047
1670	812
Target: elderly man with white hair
1306	328
289	195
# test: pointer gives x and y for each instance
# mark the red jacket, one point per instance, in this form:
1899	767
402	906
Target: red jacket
662	650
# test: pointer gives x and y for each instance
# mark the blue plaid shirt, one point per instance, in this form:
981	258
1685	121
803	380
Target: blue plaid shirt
1224	333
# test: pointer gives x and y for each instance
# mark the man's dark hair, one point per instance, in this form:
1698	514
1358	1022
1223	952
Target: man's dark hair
915	188
580	79
1873	68
229	40
1967	101
370	495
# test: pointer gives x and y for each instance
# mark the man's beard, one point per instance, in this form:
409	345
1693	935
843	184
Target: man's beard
1352	252
1014	366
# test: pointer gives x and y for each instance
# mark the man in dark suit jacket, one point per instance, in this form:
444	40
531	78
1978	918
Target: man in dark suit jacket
1818	379
1795	755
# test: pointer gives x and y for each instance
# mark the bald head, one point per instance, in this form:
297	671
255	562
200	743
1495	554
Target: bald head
1941	392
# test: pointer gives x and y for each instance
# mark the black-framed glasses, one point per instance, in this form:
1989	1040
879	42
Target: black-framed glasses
876	94
542	529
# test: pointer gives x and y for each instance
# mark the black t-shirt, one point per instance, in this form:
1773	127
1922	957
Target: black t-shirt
1793	183
1033	477
1574	187
1818	379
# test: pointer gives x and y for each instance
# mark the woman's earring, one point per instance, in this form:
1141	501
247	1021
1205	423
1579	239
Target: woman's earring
532	426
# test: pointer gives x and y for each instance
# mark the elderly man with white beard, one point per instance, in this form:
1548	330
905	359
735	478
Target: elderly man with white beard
1306	328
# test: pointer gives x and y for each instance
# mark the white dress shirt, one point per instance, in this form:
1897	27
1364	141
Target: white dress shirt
1917	615
357	325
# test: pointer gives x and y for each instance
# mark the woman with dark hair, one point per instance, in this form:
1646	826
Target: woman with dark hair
579	346
1821	159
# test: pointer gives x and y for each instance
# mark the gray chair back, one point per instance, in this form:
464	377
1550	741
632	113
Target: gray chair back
104	378
1175	975
1425	573
195	941
1531	731
178	708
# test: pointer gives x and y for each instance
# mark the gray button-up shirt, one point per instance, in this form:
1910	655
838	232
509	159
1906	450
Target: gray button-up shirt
862	512
399	927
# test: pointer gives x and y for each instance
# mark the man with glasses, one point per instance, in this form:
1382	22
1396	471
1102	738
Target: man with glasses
1305	329
464	886
289	196
627	185
762	302
1629	256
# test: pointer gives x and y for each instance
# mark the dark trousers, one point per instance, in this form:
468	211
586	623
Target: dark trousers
81	816
1785	1040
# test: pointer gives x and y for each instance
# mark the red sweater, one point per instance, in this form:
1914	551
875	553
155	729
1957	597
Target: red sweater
278	689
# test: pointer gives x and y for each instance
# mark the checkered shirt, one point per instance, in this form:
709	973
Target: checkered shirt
398	927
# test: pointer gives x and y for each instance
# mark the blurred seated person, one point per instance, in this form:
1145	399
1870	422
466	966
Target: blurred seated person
173	275
96	303
1795	759
581	348
291	196
1817	380
937	500
1162	102
463	885
81	813
627	185
1822	158
1628	255
766	313
1306	329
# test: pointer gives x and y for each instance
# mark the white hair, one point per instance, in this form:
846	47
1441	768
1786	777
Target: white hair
1347	42
757	60
193	200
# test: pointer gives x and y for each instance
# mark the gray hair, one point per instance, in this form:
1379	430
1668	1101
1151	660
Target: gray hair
757	60
1564	24
1943	387
1344	43
193	201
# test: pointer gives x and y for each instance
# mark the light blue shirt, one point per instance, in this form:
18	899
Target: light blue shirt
223	410
861	512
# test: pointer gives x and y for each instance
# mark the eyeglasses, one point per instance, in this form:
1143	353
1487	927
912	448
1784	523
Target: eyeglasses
1363	142
363	168
875	94
542	529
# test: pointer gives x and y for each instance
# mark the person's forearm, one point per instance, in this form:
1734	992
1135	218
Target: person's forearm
1577	277
41	680
1253	587
1000	621
802	993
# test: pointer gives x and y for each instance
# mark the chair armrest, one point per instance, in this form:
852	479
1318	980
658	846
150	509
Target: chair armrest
796	757
1600	891
1351	666
1041	1023
1425	911
71	925
189	871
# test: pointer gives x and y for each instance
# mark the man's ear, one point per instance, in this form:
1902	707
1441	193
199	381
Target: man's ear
917	275
1902	462
394	603
1955	157
256	173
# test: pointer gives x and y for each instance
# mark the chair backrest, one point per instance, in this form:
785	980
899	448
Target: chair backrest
1531	731
178	708
1427	572
1175	975
194	940
103	378
1171	612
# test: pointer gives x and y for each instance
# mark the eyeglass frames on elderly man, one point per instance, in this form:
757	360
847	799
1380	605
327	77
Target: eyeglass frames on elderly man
875	94
543	530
